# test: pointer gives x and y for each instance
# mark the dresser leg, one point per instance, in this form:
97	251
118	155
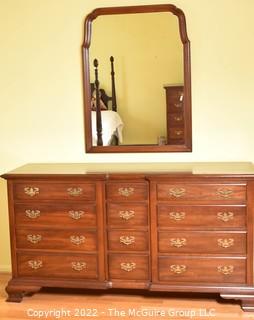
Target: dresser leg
247	300
17	292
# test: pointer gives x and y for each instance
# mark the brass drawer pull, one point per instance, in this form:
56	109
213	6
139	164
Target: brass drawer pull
34	238
35	264
77	240
225	243
226	270
177	192
224	193
177	216
75	191
78	266
126	192
178	268
128	266
225	216
31	191
178	242
126	214
33	214
76	215
178	105
178	118
178	132
127	240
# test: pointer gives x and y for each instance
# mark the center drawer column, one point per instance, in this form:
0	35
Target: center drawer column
127	233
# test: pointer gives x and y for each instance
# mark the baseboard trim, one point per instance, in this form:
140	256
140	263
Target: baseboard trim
5	268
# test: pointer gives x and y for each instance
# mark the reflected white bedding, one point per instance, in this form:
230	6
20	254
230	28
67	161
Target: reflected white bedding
111	124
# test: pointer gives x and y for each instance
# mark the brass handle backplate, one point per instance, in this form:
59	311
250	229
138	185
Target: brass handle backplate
224	193
35	264
34	238
178	118
78	266
126	192
177	216
177	192
128	266
225	243
178	242
31	191
127	240
77	240
178	105
178	268
75	191
225	216
226	270
33	214
126	214
178	132
76	215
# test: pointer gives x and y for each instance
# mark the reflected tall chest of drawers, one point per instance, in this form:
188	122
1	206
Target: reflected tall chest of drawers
159	227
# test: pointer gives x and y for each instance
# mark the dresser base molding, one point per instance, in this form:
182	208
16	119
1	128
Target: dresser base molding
16	292
247	300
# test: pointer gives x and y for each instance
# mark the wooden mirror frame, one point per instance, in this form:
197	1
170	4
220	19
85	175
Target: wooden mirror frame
187	145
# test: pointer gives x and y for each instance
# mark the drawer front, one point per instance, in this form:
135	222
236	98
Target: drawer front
176	133
56	214
39	190
220	217
48	266
202	242
127	191
175	105
74	240
199	270
127	215
123	240
128	267
175	120
222	192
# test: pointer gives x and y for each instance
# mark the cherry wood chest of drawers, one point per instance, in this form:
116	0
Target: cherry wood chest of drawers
165	227
175	114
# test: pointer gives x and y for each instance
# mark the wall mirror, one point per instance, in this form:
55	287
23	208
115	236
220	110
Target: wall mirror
137	82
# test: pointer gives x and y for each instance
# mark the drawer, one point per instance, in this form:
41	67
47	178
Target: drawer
131	191
175	120
202	242
200	270
174	105
128	267
55	214
176	133
220	217
211	192
74	240
48	266
123	240
125	215
53	191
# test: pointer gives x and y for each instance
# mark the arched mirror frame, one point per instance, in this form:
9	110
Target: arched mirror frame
187	145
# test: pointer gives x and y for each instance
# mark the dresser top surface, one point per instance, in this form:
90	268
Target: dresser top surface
190	168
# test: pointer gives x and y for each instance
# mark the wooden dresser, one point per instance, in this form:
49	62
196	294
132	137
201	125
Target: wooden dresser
161	227
175	113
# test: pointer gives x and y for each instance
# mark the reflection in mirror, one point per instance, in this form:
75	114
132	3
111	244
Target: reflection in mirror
137	67
148	55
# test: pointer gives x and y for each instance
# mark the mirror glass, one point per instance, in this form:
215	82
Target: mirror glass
138	59
148	56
